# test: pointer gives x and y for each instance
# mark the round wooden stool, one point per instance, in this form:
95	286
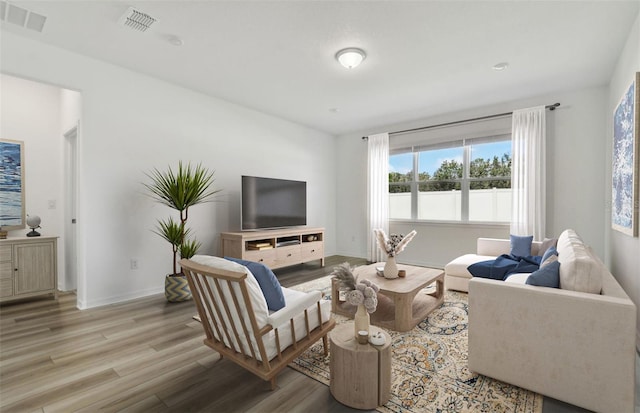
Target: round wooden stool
360	373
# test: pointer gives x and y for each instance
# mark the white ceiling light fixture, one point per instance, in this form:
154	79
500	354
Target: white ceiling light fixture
498	67
350	57
175	40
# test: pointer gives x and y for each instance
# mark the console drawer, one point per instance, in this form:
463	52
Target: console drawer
266	257
288	255
312	251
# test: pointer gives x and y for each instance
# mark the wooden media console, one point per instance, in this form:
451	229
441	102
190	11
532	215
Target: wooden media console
275	248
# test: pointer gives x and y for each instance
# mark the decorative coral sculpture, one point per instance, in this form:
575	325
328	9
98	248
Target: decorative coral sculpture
363	292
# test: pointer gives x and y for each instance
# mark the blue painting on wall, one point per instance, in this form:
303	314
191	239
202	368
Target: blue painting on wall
624	201
11	184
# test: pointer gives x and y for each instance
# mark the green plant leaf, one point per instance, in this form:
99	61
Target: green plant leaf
189	186
189	248
170	230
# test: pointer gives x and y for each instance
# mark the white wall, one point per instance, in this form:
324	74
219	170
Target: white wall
575	181
31	112
623	251
132	123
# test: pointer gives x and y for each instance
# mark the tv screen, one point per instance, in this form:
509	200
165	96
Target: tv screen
272	203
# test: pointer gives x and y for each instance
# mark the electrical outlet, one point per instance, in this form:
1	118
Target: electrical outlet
134	264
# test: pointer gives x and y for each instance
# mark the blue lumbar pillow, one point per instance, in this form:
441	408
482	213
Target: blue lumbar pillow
267	281
549	252
547	276
521	245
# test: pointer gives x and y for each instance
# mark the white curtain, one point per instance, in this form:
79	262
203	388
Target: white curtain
377	192
528	172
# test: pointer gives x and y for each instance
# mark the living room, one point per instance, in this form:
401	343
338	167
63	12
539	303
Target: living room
131	122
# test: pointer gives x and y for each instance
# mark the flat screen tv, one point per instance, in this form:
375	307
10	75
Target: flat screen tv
272	203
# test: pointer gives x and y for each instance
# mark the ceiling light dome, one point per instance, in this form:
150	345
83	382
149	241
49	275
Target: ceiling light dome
350	57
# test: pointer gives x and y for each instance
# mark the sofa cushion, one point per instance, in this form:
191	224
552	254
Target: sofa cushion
521	245
551	251
519	278
549	260
579	271
267	281
547	276
458	267
548	242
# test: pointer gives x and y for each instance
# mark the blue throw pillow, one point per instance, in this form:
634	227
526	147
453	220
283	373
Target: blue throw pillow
547	276
521	245
267	281
549	252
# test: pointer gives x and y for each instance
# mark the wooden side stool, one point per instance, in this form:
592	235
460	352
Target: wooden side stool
360	374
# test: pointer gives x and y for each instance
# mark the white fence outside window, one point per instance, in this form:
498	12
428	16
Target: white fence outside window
485	205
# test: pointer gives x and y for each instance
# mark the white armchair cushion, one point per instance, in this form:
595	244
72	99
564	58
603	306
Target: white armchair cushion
294	307
277	319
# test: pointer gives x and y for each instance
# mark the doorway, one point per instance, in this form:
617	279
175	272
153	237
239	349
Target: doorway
70	281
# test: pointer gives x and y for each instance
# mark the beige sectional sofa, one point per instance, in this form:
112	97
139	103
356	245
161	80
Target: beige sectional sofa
575	343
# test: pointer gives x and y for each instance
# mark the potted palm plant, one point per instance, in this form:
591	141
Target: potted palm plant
179	190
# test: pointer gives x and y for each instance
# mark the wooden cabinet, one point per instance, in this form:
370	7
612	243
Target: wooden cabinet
275	248
28	267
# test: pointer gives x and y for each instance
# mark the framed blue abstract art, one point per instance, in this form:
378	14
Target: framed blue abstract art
12	215
624	199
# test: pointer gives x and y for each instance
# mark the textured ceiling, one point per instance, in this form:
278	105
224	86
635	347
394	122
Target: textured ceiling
423	58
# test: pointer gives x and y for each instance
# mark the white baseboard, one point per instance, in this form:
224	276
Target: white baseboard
354	254
119	298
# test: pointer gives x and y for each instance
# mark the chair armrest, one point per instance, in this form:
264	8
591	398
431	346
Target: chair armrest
293	308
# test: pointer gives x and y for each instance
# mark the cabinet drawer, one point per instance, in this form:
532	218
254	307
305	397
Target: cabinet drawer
312	251
267	257
6	287
288	255
5	253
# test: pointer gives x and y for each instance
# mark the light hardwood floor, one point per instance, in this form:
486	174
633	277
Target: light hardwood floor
145	355
141	356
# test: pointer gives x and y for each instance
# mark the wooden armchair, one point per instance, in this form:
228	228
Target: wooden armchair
238	324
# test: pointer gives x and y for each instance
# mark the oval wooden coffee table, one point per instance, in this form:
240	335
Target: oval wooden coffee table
360	374
401	302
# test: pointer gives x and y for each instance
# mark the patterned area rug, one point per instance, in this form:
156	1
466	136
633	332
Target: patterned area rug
429	367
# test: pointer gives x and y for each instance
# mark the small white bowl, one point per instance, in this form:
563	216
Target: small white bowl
377	339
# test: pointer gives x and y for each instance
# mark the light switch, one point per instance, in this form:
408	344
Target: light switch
52	204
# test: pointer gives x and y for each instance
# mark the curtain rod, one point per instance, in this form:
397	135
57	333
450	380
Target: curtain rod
498	115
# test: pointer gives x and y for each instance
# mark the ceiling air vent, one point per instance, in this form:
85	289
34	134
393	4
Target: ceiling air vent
136	20
22	17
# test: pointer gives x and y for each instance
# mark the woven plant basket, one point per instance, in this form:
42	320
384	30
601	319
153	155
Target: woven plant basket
176	288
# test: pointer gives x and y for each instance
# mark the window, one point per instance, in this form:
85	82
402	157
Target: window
464	180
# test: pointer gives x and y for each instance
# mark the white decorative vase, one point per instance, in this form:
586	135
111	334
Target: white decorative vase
361	320
391	268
